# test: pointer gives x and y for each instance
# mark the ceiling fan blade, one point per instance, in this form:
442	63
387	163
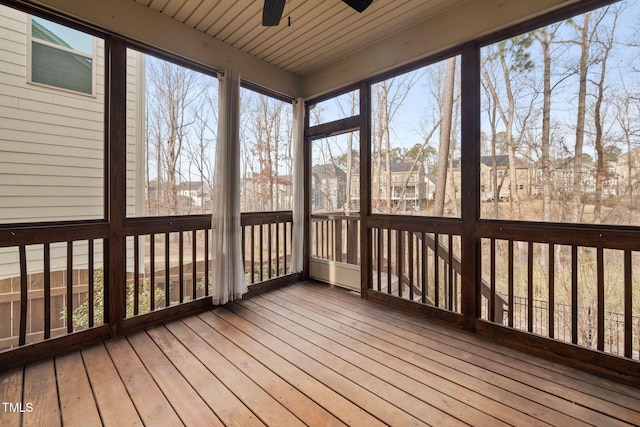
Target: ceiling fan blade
272	12
359	5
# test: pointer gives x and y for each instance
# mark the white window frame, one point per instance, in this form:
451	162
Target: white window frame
93	57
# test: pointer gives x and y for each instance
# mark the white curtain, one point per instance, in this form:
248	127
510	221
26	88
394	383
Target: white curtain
298	186
227	270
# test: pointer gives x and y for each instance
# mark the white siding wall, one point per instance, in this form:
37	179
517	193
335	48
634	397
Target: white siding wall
52	145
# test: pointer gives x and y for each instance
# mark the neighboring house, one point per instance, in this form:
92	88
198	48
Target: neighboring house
494	175
430	185
562	177
408	185
52	135
254	195
627	172
327	187
197	192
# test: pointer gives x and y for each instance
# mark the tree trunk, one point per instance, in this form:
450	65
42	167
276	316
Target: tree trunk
580	120
445	139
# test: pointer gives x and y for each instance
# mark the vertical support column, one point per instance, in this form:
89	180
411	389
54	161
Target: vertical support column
470	147
365	188
115	188
306	153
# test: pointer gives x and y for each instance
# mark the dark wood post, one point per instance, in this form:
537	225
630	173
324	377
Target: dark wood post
306	228
365	188
115	188
470	158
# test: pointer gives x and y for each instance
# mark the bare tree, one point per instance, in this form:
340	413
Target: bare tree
605	41
444	146
266	145
512	56
389	96
172	90
545	37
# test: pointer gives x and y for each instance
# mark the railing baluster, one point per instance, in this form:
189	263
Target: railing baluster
530	286
285	225
510	280
270	250
399	250
379	236
492	280
167	268
277	227
317	227
410	266
450	280
574	294
181	267
436	269
194	265
425	262
91	291
69	287
628	304
22	339
152	283
261	227
136	275
253	254
552	290
244	248
336	241
206	264
47	290
388	232
600	291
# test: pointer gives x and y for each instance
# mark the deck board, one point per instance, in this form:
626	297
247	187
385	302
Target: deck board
207	385
420	376
11	392
465	364
184	399
40	390
309	354
152	405
265	379
555	384
77	405
113	401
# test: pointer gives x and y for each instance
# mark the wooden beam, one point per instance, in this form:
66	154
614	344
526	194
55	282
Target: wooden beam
470	176
116	158
365	190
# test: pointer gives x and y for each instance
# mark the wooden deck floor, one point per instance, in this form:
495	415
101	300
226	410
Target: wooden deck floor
308	355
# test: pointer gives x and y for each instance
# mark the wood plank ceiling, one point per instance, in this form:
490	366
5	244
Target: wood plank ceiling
321	32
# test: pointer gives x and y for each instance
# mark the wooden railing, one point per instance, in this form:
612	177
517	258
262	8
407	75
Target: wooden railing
59	287
57	266
413	261
336	237
267	245
579	274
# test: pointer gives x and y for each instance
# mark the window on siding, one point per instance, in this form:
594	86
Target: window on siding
61	56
